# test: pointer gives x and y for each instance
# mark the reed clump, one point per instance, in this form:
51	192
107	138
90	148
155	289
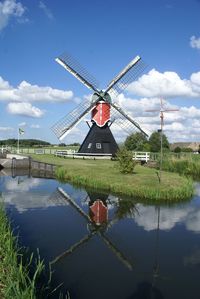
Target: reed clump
183	166
60	174
15	279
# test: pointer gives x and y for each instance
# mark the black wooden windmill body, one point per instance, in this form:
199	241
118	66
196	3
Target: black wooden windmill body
104	111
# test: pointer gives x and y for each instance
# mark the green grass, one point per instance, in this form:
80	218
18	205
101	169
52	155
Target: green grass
15	281
104	175
189	166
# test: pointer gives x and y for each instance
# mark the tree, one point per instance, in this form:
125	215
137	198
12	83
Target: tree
187	149
136	142
25	142
74	144
154	142
177	149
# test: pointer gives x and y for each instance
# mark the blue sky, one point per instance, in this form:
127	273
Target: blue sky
104	36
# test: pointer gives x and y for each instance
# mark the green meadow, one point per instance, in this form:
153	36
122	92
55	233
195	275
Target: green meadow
104	175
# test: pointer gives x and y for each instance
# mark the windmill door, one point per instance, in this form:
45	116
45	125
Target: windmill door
106	148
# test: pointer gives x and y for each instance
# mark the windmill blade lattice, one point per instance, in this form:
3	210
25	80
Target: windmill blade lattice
74	67
69	121
129	74
99	139
124	121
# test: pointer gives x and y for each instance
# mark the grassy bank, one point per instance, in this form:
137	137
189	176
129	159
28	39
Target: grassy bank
104	175
15	281
185	166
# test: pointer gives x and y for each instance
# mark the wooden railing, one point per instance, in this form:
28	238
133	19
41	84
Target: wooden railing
141	156
74	154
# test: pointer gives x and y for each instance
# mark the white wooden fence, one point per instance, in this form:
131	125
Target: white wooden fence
74	154
139	156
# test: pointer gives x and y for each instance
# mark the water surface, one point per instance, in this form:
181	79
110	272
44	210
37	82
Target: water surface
102	248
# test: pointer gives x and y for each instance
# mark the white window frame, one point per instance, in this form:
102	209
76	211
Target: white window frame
98	145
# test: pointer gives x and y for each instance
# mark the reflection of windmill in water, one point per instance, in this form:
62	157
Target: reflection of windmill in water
98	224
99	139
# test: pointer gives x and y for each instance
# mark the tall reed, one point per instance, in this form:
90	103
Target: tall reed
184	166
15	278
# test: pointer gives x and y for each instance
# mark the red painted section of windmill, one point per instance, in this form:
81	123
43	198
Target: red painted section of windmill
101	113
98	212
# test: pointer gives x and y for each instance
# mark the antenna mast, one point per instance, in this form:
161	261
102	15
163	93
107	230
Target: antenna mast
162	111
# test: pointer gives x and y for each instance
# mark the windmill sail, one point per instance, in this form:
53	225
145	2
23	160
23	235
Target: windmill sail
125	121
129	74
74	68
65	124
97	140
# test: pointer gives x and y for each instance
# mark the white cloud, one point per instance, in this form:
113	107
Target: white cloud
35	126
23	124
46	10
167	84
25	92
6	129
195	42
9	9
181	125
4	85
25	109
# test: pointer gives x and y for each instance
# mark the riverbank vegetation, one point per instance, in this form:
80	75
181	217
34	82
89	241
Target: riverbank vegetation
104	175
15	279
188	166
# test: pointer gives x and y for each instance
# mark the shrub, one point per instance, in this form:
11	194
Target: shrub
186	149
177	149
125	161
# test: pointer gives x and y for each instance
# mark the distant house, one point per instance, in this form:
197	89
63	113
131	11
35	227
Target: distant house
193	145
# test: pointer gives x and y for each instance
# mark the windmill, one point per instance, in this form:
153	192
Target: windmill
104	111
162	110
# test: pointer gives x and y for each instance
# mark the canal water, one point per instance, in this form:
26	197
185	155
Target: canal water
102	246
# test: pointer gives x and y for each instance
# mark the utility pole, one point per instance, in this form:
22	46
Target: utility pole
161	110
